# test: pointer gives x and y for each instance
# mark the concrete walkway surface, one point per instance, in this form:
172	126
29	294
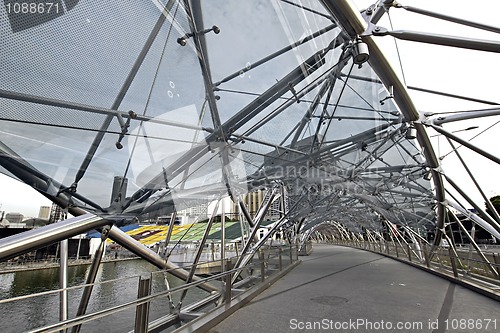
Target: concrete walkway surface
340	289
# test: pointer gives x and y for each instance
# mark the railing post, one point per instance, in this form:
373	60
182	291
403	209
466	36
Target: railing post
63	281
497	262
426	256
409	251
280	258
453	263
142	310
91	276
386	246
263	266
229	266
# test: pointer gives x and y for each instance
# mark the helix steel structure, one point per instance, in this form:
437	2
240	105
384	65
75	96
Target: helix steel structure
119	112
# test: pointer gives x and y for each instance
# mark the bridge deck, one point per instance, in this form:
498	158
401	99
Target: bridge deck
339	287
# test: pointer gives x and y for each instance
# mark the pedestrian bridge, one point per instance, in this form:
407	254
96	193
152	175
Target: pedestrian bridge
343	289
346	287
364	124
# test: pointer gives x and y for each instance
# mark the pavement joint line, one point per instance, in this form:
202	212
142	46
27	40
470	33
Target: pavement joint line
215	316
445	311
315	280
467	284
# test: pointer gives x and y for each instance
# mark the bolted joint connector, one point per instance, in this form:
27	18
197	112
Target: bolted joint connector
105	232
124	125
132	114
360	52
182	41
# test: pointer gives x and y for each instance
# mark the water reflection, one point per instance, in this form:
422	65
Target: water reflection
44	310
28	282
41	310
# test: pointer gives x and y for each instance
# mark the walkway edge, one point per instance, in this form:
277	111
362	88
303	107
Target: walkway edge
467	284
214	317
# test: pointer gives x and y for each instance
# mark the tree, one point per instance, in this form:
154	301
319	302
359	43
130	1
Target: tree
496	203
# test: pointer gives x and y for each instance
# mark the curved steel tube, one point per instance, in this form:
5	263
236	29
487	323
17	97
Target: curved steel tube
27	241
352	22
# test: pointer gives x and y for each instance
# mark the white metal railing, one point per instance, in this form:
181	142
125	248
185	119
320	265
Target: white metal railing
463	265
264	264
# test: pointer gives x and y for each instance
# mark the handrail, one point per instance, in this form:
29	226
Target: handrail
444	261
260	268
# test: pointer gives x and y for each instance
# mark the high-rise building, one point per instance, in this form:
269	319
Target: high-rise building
44	212
253	200
57	214
118	191
189	215
14	217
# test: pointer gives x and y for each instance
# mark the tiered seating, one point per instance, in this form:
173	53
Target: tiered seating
160	236
152	234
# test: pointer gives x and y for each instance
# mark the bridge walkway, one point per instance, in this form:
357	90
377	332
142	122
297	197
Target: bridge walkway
340	289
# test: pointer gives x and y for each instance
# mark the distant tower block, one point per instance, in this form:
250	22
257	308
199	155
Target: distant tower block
14	217
44	212
57	214
119	190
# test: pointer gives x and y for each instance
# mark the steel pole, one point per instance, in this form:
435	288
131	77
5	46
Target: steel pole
190	276
223	238
137	248
474	244
350	19
258	219
63	281
444	40
469	172
30	240
170	229
466	144
87	291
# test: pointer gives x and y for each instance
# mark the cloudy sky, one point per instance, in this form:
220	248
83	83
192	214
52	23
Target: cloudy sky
456	71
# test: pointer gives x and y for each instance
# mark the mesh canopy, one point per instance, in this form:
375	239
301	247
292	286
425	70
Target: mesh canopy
253	129
131	108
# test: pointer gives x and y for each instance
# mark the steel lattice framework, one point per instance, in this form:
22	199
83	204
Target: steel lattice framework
119	111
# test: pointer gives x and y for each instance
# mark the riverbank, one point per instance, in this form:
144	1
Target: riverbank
34	265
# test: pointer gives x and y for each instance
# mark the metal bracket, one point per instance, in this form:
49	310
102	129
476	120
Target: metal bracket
70	189
183	40
379	31
374	13
390	96
124	126
294	92
105	232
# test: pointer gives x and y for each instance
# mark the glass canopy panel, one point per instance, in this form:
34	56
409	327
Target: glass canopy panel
435	78
135	114
81	113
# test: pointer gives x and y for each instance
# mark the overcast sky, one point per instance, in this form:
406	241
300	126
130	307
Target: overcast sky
457	71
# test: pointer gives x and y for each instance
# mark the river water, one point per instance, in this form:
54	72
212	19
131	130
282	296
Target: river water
26	314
